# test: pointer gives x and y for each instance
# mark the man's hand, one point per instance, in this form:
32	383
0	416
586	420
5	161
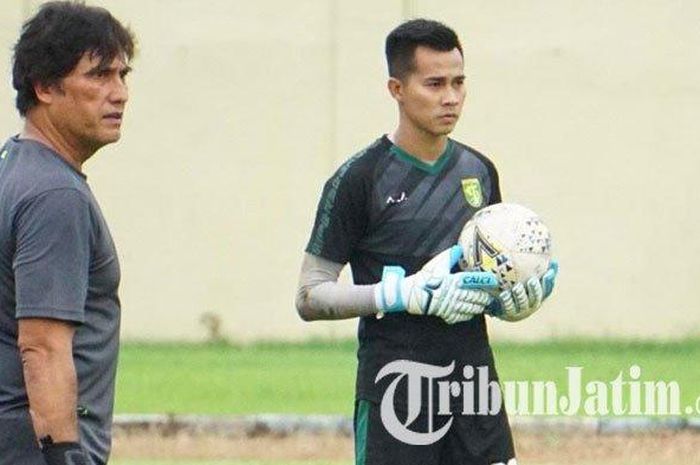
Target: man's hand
522	301
434	290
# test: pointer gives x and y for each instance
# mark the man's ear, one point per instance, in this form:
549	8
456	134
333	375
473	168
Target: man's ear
395	87
45	93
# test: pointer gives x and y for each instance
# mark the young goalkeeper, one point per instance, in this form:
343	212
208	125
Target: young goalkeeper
394	212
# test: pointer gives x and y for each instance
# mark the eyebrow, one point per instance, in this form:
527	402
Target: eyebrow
99	68
444	78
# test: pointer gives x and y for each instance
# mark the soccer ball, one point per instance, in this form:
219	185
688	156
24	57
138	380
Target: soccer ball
508	240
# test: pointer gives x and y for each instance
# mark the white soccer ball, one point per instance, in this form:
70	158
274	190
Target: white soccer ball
508	240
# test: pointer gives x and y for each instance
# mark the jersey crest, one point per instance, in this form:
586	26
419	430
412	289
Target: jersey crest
471	187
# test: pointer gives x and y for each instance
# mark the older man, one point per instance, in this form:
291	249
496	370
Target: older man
59	273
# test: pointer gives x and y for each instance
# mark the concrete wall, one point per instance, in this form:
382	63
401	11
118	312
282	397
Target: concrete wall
240	110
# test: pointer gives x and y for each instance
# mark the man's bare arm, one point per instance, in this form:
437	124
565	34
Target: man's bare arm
321	297
46	348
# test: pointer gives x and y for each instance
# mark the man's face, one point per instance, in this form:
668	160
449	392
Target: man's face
431	96
88	104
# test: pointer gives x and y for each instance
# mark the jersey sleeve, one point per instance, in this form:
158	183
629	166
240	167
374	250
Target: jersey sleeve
52	256
495	196
341	216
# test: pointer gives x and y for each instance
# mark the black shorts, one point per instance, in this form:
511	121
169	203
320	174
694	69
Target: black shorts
470	440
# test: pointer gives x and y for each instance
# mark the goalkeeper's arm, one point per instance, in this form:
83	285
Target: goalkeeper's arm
432	291
321	297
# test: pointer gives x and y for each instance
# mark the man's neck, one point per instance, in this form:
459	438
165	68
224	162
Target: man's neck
424	146
39	129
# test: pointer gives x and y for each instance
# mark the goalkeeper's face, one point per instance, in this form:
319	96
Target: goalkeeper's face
431	95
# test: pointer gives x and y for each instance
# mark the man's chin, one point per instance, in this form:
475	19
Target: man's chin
443	131
105	139
111	137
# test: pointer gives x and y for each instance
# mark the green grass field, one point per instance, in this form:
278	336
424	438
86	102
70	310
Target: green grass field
218	378
318	377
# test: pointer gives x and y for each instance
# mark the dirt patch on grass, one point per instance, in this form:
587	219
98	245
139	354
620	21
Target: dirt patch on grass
185	446
533	449
617	449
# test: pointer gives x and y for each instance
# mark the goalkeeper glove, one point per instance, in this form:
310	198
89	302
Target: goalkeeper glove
62	453
522	301
434	290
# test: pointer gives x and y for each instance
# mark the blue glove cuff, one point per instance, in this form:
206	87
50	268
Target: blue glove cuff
456	254
391	295
549	279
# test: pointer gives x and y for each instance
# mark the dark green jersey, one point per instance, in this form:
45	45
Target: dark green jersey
386	207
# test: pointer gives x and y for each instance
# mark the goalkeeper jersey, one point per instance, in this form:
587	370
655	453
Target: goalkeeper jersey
386	207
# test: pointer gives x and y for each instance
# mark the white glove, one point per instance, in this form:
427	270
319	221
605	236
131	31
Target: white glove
522	301
434	290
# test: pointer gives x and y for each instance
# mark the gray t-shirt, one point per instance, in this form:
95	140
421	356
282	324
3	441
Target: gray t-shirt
57	260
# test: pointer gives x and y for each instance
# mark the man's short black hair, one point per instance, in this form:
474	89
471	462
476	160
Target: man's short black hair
401	43
56	38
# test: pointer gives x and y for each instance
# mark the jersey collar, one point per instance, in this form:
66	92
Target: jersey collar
430	168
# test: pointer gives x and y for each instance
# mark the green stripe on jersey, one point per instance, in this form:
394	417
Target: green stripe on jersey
361	432
430	168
